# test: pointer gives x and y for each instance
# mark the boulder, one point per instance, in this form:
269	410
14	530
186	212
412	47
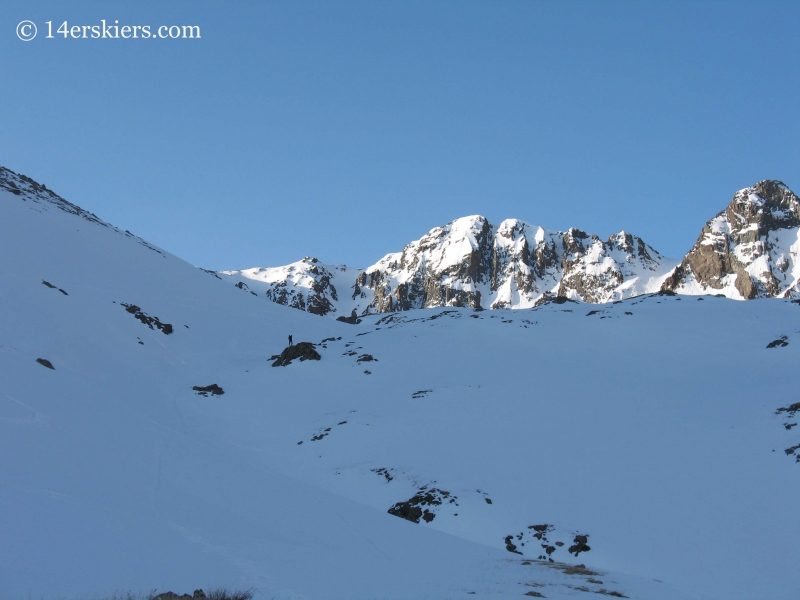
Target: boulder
300	351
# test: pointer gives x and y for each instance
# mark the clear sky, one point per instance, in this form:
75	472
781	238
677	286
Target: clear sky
345	129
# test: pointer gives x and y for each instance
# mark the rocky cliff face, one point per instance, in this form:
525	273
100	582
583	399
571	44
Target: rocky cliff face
621	267
749	250
470	262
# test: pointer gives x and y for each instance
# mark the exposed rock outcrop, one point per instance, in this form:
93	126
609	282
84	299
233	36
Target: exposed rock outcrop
205	390
300	351
145	319
422	505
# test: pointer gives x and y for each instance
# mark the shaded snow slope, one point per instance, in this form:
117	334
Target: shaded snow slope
638	438
116	475
470	262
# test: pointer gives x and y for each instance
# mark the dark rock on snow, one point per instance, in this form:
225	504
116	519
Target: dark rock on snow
411	510
51	286
151	322
385	472
205	390
580	545
301	351
789	410
352	320
510	546
781	342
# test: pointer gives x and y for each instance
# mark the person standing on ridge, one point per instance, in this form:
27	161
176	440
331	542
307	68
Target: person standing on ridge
290	340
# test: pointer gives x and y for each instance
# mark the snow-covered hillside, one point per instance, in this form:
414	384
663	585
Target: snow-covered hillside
472	263
642	439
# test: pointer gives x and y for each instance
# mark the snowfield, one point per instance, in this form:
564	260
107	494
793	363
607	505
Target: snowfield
639	438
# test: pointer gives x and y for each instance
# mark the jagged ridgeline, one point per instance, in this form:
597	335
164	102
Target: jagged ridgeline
749	250
470	262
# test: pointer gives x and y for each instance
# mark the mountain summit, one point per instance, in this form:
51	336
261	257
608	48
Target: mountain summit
749	250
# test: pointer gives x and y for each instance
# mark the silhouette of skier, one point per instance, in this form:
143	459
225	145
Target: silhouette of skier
290	340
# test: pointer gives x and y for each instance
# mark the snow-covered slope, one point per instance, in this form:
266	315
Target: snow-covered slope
749	250
639	438
470	262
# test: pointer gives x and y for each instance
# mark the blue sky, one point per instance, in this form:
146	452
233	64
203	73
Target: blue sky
344	130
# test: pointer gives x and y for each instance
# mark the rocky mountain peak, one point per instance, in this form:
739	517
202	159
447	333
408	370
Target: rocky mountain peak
749	250
629	243
769	205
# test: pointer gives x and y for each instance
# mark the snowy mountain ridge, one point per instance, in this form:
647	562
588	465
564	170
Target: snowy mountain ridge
472	263
749	250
